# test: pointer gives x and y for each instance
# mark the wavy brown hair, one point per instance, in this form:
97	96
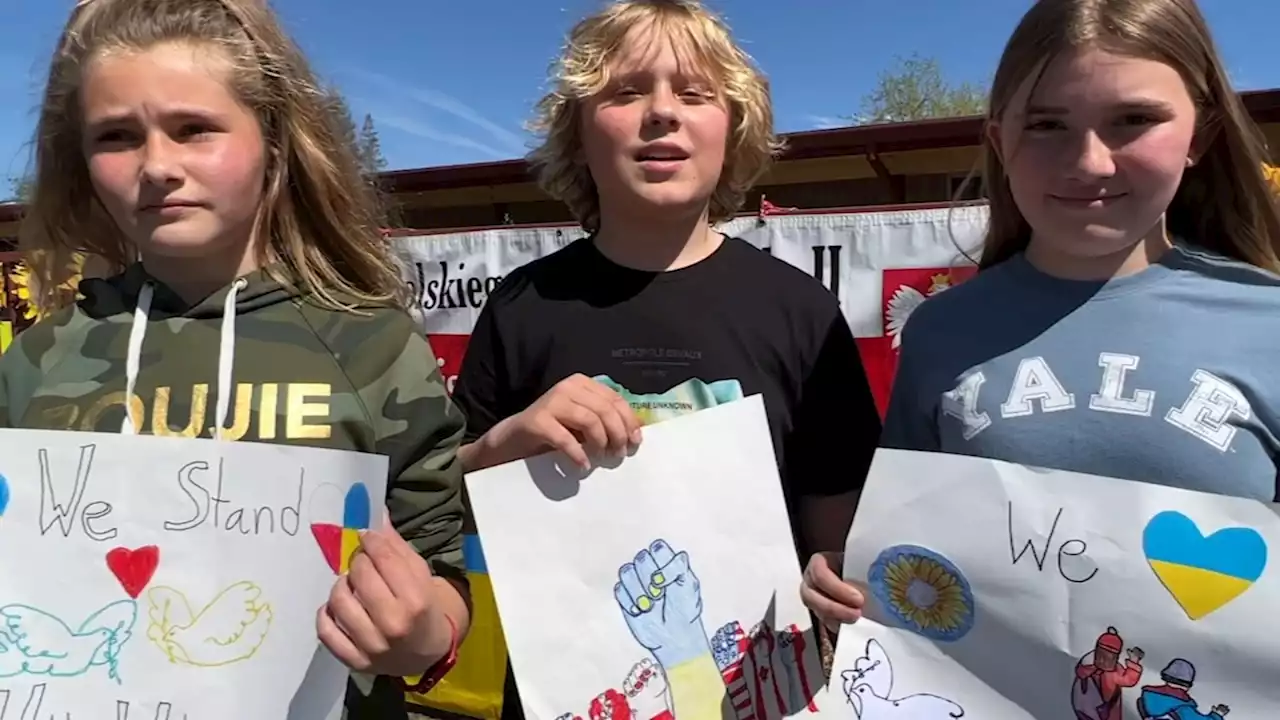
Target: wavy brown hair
1224	203
583	70
318	217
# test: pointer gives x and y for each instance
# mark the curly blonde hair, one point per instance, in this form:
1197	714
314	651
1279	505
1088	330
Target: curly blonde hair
1224	203
318	216
583	69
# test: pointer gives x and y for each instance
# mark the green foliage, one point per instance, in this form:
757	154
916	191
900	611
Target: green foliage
21	189
369	148
368	151
914	89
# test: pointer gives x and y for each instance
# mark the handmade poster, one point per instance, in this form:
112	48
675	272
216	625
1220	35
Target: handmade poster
151	578
661	585
1002	591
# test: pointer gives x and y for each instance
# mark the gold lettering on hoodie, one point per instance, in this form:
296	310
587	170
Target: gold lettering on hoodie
160	412
306	412
267	412
301	404
89	422
241	414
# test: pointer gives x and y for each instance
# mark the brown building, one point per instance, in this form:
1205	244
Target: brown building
890	164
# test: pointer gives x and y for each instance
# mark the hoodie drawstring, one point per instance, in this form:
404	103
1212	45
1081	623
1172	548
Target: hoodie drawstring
139	330
226	356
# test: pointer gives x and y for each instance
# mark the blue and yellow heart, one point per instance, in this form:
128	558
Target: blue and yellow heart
1202	573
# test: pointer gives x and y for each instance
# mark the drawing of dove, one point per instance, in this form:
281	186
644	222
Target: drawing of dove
229	629
34	642
868	687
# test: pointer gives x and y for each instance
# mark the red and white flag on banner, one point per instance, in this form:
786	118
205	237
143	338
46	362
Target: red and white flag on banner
902	290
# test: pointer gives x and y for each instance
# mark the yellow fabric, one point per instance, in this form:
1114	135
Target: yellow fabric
474	687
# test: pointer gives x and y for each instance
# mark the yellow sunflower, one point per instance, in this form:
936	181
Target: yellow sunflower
923	591
25	305
1272	173
19	283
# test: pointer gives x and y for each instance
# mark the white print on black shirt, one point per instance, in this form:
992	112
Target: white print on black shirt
656	363
655	354
1206	412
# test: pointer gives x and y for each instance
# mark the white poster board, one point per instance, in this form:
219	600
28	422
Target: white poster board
1001	591
149	578
613	585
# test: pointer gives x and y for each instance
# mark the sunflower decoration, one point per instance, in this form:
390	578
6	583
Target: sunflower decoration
1272	174
22	291
923	591
19	295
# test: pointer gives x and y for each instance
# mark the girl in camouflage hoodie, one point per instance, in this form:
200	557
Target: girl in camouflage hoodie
186	144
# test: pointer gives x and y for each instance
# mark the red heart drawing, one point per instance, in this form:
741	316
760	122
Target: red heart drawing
134	568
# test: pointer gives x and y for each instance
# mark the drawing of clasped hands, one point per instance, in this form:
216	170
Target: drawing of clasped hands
661	600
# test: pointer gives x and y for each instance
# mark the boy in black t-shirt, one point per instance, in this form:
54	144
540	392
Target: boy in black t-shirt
655	128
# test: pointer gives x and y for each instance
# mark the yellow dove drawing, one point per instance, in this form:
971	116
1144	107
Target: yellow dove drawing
229	629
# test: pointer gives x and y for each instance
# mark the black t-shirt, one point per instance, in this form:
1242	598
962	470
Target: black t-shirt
739	322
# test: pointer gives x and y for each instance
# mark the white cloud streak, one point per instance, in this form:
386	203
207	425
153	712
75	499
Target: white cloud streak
508	143
426	132
827	122
1239	80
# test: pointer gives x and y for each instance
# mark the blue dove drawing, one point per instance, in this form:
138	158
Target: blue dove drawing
33	642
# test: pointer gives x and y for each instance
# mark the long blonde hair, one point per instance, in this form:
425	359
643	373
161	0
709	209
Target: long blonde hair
318	216
1224	203
583	70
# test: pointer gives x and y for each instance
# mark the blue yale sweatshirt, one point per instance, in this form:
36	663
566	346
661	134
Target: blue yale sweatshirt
1168	376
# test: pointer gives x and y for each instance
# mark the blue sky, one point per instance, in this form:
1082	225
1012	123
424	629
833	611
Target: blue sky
453	82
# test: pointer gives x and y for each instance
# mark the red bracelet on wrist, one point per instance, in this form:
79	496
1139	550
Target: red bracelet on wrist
442	667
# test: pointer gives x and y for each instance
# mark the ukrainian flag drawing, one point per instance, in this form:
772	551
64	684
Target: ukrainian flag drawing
474	687
1202	573
340	542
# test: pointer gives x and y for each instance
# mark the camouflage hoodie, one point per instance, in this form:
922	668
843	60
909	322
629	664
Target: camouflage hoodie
302	375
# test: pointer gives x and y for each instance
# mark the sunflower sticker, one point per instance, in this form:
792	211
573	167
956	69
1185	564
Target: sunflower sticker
923	591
